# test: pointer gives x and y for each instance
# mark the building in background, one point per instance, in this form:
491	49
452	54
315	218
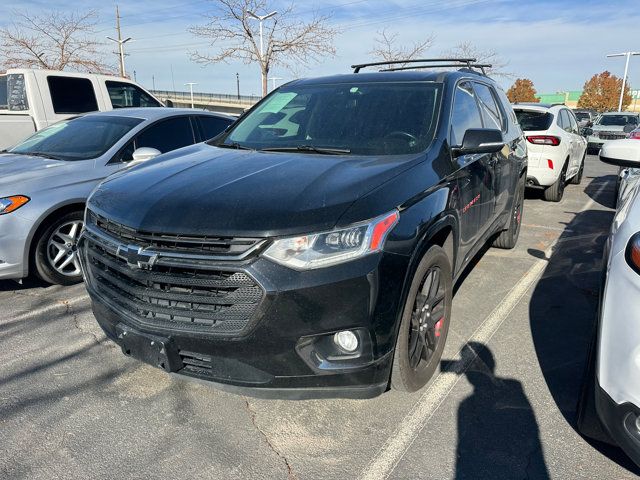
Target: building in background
570	98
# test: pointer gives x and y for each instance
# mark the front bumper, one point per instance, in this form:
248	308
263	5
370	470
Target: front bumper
14	233
285	351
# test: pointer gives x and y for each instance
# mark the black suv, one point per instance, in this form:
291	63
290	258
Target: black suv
311	249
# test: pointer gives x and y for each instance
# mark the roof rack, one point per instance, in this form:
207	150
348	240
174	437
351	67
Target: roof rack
469	63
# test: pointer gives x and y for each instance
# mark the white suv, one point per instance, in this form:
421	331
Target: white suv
556	148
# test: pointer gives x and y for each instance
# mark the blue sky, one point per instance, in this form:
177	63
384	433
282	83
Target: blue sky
558	44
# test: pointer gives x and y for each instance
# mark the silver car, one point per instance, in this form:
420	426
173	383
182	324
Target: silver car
46	179
610	126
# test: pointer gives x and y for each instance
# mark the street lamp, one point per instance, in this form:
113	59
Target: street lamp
191	84
121	53
260	19
626	70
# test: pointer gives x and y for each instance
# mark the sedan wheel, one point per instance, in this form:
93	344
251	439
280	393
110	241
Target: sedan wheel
56	256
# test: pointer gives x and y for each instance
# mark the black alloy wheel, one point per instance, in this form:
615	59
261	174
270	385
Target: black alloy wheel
425	323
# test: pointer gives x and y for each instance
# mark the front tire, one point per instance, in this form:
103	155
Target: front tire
55	255
424	324
555	192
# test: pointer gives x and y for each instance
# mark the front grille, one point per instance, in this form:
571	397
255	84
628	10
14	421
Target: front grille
223	246
196	362
612	136
204	298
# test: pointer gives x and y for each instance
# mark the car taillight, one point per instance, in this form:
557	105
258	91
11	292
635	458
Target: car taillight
632	253
635	135
544	140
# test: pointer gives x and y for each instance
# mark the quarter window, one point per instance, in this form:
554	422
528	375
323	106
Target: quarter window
564	121
72	95
125	95
491	113
465	114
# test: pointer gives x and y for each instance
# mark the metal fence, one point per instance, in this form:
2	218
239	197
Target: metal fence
206	97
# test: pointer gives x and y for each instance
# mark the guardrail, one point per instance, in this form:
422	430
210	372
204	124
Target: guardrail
206	97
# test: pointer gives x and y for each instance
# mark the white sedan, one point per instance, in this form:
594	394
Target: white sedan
556	148
609	409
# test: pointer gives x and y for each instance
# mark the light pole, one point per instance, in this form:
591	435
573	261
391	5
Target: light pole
273	82
120	43
626	70
238	84
191	84
262	18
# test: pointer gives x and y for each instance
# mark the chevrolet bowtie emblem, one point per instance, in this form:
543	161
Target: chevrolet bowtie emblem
136	257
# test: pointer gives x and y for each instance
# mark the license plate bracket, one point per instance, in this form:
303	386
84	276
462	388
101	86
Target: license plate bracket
154	350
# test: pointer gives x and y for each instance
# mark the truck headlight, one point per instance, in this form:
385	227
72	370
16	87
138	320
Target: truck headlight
14	202
318	250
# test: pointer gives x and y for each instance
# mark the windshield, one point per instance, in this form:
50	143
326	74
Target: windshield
533	120
582	115
78	139
4	103
362	119
617	120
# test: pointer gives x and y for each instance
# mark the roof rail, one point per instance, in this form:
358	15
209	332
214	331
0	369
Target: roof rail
459	62
469	68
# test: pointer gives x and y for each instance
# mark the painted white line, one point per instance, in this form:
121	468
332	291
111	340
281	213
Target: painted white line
397	445
49	309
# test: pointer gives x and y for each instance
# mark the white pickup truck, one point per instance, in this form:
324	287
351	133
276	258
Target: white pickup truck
33	99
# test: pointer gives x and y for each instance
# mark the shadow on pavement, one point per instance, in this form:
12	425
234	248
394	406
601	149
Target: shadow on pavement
498	435
24	284
562	311
593	187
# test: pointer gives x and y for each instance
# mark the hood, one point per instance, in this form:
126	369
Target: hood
607	128
204	190
23	173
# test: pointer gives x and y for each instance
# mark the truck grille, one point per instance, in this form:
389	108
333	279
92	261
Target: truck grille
612	135
202	298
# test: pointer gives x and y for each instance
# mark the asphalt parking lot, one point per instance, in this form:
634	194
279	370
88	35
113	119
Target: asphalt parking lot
502	406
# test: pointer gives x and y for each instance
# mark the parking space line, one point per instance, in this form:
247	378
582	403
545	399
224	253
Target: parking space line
390	454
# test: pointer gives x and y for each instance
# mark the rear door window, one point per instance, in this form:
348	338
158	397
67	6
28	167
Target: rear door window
564	121
125	95
465	113
72	95
531	120
491	113
211	126
572	122
167	135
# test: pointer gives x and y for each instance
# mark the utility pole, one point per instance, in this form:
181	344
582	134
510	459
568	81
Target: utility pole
153	80
120	43
273	82
191	84
626	71
262	62
238	84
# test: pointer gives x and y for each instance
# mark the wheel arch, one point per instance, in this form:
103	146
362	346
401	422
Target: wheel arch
42	223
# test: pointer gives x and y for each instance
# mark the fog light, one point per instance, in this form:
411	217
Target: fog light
346	340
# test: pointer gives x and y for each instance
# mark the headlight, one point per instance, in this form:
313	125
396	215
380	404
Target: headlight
324	249
9	204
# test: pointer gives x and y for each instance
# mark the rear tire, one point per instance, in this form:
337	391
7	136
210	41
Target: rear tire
55	257
424	324
577	178
507	239
555	192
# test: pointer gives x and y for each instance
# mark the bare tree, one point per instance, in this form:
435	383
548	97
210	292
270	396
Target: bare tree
387	49
288	41
468	50
53	40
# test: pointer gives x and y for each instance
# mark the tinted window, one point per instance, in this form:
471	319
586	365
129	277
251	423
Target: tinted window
465	114
4	103
124	95
167	135
618	120
532	120
78	139
386	118
211	126
582	115
72	95
490	112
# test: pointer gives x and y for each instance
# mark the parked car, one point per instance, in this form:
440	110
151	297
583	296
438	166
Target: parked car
313	260
609	408
45	180
32	99
635	134
584	117
556	149
610	126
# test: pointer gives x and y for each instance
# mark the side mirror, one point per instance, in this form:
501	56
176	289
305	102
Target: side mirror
480	140
623	153
143	154
589	124
629	127
586	131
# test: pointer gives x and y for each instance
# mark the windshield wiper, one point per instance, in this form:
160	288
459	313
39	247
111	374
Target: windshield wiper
43	155
309	148
235	145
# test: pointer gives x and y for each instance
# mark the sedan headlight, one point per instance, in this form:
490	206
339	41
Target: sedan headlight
319	250
9	204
